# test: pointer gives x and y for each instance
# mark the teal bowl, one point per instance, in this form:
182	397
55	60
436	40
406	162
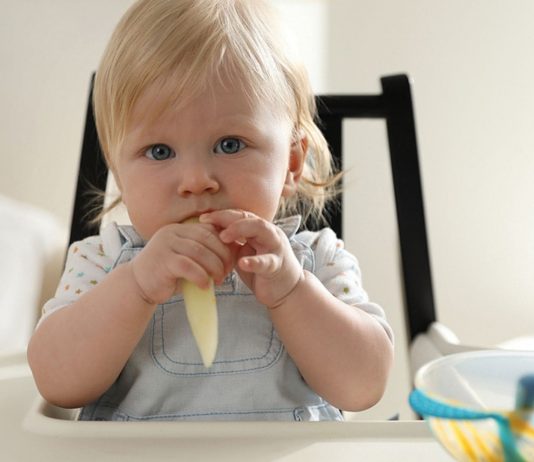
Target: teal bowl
479	404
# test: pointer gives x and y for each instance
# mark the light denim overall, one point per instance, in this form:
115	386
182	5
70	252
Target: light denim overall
252	377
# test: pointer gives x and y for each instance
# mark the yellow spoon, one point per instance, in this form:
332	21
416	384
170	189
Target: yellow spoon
201	310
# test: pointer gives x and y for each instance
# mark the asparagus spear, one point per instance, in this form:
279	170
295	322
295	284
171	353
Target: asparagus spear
201	310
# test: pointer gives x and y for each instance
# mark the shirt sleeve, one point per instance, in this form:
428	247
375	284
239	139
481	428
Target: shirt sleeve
339	271
87	265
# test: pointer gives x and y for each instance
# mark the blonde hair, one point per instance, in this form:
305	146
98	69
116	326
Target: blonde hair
185	46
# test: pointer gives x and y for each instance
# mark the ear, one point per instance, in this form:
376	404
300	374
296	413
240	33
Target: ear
297	157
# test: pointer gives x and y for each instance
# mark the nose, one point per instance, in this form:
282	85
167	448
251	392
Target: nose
196	178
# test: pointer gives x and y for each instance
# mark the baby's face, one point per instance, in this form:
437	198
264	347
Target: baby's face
216	152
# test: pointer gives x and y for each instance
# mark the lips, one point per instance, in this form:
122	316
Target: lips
196	214
205	211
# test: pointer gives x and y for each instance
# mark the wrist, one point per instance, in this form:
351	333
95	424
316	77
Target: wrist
287	298
138	288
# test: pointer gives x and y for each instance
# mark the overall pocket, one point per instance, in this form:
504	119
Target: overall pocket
247	339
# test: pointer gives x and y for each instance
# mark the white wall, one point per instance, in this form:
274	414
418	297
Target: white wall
47	53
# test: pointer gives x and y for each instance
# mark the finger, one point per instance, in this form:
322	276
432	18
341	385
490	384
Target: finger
256	231
203	256
265	264
208	252
202	243
206	234
182	267
224	218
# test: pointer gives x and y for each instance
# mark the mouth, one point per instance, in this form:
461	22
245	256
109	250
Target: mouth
205	211
196	214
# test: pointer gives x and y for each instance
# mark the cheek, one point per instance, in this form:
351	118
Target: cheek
127	192
261	195
267	178
135	185
137	199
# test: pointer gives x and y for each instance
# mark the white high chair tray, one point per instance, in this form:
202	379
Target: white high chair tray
34	430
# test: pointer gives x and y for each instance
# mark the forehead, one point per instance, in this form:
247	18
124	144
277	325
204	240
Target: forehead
219	101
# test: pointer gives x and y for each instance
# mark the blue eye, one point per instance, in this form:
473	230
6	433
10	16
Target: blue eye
159	152
229	146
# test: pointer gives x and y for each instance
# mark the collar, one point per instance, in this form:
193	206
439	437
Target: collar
289	225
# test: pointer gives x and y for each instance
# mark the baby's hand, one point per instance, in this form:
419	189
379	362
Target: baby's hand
180	251
265	260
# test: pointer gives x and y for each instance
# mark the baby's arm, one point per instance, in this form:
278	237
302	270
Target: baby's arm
342	352
78	352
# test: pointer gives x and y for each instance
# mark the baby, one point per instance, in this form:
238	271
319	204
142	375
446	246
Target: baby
203	112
